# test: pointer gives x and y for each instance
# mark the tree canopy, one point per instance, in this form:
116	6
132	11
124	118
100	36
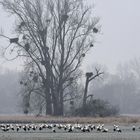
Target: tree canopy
53	37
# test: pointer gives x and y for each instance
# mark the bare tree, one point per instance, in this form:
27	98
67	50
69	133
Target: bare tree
31	91
89	77
54	36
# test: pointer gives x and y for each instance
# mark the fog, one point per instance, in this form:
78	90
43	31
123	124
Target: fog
121	89
116	45
118	40
9	92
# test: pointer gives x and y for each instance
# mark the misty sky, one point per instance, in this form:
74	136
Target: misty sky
118	41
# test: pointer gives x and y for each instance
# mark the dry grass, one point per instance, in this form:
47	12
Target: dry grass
50	119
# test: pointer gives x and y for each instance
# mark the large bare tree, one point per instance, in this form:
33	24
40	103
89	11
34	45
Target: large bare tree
53	36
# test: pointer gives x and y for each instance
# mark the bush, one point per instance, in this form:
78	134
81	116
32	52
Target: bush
96	108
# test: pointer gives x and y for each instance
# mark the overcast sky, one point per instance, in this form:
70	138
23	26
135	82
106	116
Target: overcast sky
118	41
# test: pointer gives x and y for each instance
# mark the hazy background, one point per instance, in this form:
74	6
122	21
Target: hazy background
117	43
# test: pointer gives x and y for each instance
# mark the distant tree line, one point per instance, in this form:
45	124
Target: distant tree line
120	88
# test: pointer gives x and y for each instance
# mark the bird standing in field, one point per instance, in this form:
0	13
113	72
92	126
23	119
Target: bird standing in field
133	128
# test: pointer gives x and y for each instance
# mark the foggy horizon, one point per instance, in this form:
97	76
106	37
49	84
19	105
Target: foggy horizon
116	46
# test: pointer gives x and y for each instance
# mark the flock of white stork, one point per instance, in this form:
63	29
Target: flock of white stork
59	128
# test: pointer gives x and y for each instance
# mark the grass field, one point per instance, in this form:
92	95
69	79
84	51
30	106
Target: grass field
70	136
125	124
50	119
125	135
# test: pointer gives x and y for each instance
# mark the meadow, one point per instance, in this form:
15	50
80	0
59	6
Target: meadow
70	136
52	119
125	123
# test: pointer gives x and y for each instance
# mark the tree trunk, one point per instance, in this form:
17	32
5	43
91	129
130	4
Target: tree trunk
61	109
85	92
60	95
48	105
55	109
48	108
48	100
55	104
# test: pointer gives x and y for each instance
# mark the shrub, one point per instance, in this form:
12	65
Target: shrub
96	108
